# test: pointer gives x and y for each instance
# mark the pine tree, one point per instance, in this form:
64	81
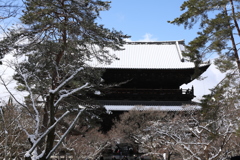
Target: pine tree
218	22
219	32
56	41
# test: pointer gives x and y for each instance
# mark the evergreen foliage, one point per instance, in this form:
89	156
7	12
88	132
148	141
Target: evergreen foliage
219	33
55	43
218	22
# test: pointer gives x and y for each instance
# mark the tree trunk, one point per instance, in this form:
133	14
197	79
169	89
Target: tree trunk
27	158
234	18
51	134
233	43
169	156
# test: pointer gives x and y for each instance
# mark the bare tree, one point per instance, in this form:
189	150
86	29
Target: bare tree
209	134
9	9
133	127
12	137
87	146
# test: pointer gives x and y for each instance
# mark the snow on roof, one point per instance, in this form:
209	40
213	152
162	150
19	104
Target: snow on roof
149	55
156	108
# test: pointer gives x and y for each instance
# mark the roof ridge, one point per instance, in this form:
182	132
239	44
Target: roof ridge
158	42
179	52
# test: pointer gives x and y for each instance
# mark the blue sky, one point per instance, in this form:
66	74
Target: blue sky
138	18
146	20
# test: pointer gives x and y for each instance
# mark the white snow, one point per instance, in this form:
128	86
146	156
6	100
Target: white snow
159	108
97	93
159	55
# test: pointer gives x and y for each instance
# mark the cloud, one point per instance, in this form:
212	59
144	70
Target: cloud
148	38
128	39
201	87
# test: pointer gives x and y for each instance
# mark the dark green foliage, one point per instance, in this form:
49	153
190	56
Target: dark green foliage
59	37
217	37
223	99
56	42
218	22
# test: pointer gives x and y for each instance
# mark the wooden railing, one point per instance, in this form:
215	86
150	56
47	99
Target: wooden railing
149	94
148	91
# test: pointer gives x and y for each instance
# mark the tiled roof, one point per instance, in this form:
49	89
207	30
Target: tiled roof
150	55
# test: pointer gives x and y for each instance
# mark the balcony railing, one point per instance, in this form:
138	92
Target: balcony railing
149	94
